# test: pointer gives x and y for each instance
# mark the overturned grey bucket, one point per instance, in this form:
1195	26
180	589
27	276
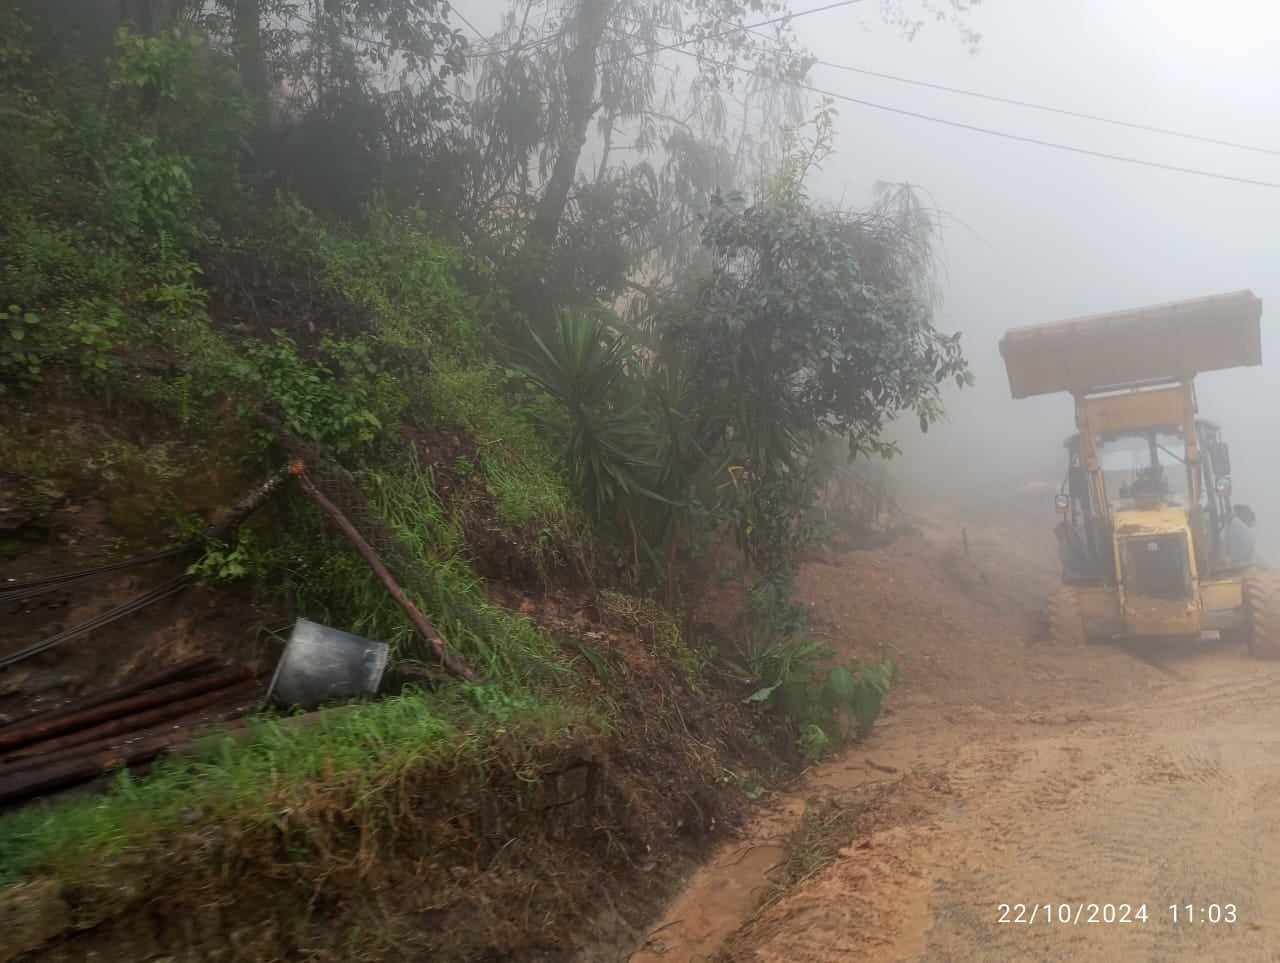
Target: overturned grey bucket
322	665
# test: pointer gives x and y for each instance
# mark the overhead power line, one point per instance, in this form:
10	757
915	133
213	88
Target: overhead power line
1021	138
467	23
849	68
551	37
1082	115
733	28
1030	105
519	46
740	28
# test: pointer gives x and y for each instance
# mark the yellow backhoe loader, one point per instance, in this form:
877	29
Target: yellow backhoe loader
1151	543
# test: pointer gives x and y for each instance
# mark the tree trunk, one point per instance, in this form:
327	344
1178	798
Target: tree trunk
608	147
327	29
148	17
580	80
253	68
140	14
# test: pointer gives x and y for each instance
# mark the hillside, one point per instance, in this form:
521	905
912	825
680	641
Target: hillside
296	327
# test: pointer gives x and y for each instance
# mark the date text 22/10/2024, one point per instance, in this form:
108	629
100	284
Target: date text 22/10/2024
1090	914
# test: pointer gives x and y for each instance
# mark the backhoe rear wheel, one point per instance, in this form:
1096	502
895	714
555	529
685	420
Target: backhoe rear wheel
1066	627
1262	606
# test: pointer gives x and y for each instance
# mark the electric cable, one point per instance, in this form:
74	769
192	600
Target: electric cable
1021	138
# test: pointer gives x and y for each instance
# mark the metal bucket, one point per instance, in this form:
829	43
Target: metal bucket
322	665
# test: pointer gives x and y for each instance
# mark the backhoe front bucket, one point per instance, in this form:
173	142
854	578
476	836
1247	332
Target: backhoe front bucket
1167	341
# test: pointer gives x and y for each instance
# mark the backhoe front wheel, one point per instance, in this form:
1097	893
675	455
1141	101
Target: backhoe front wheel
1262	608
1066	627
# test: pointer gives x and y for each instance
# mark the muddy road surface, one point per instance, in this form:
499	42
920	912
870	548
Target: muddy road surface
1017	803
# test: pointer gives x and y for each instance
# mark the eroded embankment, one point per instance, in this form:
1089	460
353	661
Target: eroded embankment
479	829
854	862
558	837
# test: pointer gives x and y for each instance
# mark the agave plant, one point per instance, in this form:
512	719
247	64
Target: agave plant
611	451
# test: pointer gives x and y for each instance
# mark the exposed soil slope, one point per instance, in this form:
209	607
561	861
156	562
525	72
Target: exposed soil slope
1006	773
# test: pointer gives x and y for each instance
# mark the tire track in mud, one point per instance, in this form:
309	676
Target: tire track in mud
1175	810
1025	838
1100	775
1236	693
1171	801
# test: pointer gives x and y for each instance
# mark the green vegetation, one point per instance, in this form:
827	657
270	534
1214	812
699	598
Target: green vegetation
122	306
295	780
860	689
230	227
392	269
519	466
339	588
226	563
795	674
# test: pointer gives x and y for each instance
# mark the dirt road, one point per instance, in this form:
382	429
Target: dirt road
1068	790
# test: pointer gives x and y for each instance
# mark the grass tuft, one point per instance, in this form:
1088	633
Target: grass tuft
519	467
358	756
334	585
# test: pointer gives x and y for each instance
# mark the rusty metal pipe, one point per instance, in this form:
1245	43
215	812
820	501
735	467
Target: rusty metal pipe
183	670
203	692
24	784
234	701
40	730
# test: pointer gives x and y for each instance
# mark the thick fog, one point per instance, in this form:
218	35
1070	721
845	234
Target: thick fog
1035	234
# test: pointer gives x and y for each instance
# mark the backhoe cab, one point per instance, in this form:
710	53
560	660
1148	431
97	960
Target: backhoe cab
1151	542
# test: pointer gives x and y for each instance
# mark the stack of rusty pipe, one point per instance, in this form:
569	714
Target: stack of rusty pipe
126	726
